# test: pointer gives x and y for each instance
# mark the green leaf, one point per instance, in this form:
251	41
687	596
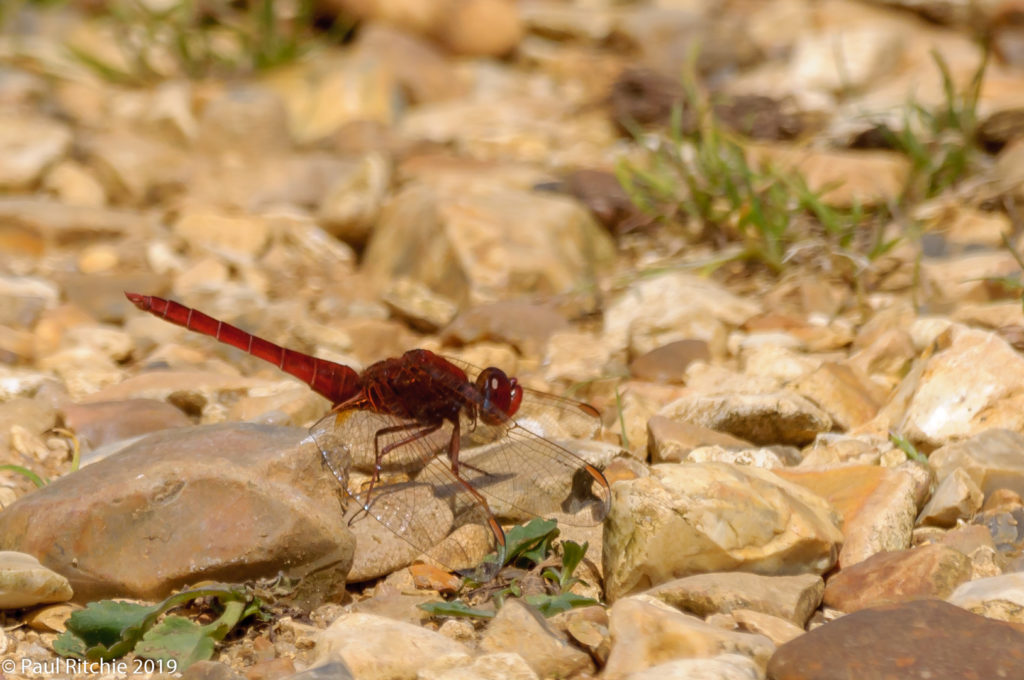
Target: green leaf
454	608
68	644
572	555
179	639
38	480
531	541
109	629
549	605
904	445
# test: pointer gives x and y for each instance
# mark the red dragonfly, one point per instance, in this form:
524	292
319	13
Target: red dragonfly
465	444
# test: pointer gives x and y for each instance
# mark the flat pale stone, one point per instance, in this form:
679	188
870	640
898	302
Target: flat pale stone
692	518
24	582
376	648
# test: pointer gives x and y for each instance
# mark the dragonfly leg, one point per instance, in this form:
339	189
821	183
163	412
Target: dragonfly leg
453	455
379	452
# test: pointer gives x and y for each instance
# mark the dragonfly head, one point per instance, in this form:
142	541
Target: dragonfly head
501	395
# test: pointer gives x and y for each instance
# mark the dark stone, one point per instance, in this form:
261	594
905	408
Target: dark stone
923	639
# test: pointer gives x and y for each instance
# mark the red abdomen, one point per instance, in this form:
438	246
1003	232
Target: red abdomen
335	381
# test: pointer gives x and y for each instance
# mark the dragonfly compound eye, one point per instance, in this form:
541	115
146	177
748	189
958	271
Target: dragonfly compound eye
501	395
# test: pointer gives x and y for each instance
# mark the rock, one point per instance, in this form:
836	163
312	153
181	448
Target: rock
932	571
376	648
100	423
15	346
658	310
379	550
969	278
841	393
353	200
134	168
886	359
520	629
102	295
423	71
573	357
190	391
322	95
1006	526
34	415
667	364
419	306
522	325
846	60
292	404
241	238
480	27
930	638
841	178
250	500
284	188
587	626
956	498
774	418
25	583
793	598
721	667
605	198
878	506
396	606
779	631
74	184
23	299
691	518
947	406
669	441
833	449
51	618
500	666
244	120
28	146
423	235
82	370
111	343
20	382
991	458
986	596
646	634
33	224
762	458
99	258
331	670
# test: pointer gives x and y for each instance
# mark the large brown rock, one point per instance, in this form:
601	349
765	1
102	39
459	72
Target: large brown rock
923	639
225	502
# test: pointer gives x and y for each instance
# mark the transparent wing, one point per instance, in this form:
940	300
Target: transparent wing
435	512
524	475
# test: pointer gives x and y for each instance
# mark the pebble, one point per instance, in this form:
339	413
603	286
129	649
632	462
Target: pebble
931	571
783	417
793	598
519	629
377	648
646	634
24	582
